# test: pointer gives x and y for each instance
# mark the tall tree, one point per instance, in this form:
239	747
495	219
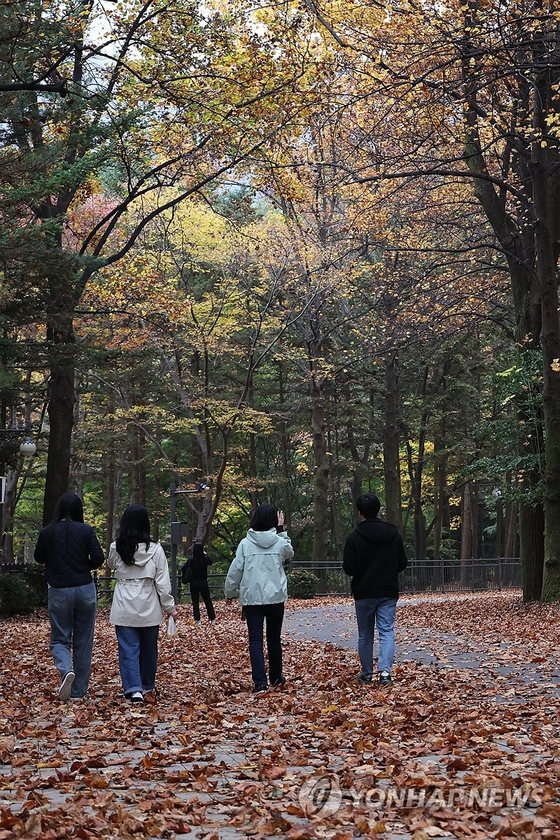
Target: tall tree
159	95
472	93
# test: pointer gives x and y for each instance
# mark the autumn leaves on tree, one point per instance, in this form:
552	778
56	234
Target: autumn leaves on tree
294	250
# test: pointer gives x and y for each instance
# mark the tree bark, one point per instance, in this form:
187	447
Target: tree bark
60	409
7	511
321	473
531	527
550	339
391	444
512	519
287	505
441	500
468	522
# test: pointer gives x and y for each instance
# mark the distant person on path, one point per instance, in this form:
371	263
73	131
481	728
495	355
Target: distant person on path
199	563
373	557
70	550
142	594
257	574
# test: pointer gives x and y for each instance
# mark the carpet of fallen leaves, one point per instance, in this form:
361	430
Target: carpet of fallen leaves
210	760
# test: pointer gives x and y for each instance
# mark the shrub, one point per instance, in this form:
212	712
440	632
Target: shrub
16	595
336	582
302	583
34	576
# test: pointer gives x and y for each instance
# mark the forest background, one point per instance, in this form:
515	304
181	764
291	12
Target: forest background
287	252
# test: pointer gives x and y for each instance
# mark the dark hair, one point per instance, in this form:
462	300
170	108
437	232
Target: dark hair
368	505
69	506
198	550
264	518
134	529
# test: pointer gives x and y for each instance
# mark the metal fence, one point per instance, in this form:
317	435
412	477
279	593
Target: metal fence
479	574
476	575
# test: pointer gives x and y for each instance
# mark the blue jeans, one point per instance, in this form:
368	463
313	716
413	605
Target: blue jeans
138	656
367	610
72	617
255	615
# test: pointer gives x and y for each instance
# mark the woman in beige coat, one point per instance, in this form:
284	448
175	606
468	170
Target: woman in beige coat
142	595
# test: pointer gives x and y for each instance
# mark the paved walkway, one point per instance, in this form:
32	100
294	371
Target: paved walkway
337	625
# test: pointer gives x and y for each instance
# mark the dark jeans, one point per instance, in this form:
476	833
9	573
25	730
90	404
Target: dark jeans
255	615
198	588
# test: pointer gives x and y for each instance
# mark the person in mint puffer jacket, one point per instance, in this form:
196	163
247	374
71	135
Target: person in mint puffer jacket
257	574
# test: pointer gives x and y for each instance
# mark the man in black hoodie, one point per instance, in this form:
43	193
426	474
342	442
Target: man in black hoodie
373	557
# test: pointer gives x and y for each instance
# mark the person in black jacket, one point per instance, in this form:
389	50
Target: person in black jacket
199	584
373	556
70	550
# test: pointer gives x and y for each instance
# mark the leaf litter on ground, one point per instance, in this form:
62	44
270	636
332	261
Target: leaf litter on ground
446	751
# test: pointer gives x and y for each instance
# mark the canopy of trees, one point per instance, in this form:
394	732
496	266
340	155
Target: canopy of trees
288	253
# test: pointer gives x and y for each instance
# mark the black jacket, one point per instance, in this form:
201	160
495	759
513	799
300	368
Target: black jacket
69	550
373	557
199	566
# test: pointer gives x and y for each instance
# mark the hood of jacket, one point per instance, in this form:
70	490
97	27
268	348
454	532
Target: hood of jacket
376	531
142	555
262	539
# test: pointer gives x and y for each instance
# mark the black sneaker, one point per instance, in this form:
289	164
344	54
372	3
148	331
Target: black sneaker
280	681
364	679
384	678
258	689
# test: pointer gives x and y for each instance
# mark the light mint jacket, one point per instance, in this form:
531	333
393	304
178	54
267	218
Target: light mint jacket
257	570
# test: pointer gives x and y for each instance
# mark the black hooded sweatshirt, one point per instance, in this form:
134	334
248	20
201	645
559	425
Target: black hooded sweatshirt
373	557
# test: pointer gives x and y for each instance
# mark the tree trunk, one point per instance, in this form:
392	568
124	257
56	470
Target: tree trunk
336	500
519	245
320	475
440	495
7	511
499	544
110	499
360	461
391	444
531	527
356	487
253	492
61	422
512	518
78	465
416	472
468	522
550	339
284	444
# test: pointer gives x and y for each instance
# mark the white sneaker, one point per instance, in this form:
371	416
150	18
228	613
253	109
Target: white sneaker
66	685
136	697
